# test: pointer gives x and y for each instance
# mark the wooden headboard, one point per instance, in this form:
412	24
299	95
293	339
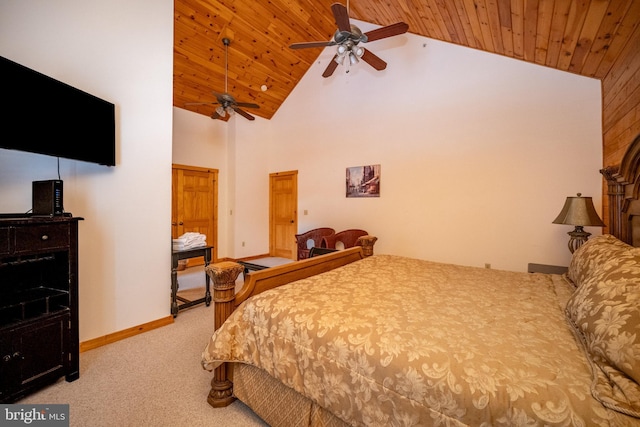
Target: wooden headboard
623	190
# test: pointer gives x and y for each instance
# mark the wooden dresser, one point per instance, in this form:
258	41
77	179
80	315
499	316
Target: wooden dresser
39	340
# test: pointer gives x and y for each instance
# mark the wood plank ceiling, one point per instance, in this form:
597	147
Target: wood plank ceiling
578	36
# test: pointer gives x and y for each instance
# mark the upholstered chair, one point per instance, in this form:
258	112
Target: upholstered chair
310	239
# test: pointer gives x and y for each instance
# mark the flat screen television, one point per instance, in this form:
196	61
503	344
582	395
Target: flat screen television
43	115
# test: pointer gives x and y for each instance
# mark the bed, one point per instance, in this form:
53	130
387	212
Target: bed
352	338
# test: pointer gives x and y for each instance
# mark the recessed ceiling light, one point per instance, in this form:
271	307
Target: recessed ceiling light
264	88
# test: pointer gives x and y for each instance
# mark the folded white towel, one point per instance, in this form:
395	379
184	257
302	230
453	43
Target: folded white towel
187	237
189	240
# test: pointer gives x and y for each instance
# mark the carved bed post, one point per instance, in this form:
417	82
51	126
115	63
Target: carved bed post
367	243
223	275
615	191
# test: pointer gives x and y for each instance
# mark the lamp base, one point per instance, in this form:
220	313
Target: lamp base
578	237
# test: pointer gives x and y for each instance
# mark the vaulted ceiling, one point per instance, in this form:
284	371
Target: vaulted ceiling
578	36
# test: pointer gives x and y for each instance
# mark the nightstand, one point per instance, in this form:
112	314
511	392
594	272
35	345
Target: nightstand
546	269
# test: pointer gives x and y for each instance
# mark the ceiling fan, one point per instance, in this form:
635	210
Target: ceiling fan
348	36
227	103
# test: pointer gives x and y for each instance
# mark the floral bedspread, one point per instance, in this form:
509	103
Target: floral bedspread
394	341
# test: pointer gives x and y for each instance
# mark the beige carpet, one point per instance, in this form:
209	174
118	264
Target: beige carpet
152	379
194	293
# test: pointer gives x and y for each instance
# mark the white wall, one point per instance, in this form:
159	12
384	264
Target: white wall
120	51
251	147
478	153
238	148
203	143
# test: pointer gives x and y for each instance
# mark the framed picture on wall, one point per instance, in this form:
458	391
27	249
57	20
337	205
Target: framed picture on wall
363	181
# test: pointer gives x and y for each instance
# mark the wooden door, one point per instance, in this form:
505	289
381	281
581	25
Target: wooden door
283	214
195	205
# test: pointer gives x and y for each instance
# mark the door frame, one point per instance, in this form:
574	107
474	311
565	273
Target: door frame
272	237
214	175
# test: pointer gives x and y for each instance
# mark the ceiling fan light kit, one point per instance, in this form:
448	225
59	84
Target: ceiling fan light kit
227	103
348	36
348	49
220	111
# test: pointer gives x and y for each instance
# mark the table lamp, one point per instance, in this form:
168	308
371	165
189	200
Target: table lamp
578	211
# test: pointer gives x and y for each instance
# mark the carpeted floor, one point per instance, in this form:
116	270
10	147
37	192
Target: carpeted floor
152	379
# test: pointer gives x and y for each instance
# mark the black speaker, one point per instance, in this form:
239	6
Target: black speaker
47	197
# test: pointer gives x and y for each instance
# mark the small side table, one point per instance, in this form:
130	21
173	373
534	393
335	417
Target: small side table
203	251
250	266
546	269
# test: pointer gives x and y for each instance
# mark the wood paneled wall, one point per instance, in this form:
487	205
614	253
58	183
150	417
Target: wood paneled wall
620	108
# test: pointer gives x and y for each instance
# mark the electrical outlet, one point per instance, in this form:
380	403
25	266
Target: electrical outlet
306	212
243	244
487	265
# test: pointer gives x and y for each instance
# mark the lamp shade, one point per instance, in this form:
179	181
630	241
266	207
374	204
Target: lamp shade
579	211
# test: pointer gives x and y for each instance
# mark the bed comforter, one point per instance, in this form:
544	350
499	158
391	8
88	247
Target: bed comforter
394	341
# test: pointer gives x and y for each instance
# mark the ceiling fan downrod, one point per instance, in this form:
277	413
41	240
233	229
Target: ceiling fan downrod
226	42
227	103
223	109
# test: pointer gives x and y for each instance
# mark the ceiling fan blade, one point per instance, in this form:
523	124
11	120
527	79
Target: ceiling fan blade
305	45
341	16
388	31
244	114
201	103
373	60
330	68
247	105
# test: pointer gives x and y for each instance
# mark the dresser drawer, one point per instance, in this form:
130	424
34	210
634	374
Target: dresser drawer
41	237
4	240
